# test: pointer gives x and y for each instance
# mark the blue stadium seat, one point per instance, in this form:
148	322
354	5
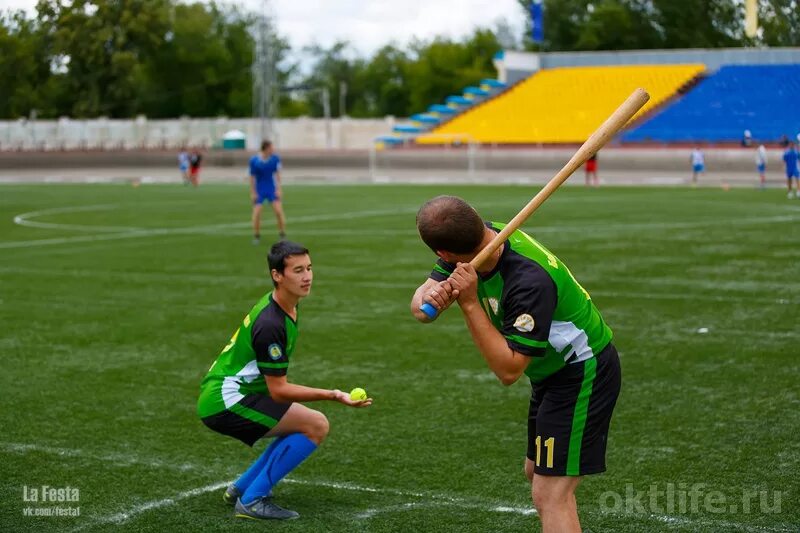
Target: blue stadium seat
389	139
424	118
475	91
493	84
441	109
764	99
458	100
405	128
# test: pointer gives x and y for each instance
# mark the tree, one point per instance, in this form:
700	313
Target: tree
332	66
24	67
385	83
203	66
780	20
648	24
103	43
443	67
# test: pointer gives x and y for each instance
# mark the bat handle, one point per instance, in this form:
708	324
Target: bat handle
429	310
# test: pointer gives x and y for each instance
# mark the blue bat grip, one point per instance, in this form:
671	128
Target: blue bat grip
429	310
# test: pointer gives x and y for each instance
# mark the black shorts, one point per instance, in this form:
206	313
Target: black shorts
569	416
249	419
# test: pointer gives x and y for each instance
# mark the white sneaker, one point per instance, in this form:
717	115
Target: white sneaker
789	195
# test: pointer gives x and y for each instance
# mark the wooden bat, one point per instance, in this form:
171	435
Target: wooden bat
593	144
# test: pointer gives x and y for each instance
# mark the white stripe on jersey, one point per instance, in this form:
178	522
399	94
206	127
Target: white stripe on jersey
563	334
230	385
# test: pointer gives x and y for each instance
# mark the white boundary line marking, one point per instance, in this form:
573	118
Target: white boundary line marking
122	517
120	459
23	219
212	228
437	499
122	232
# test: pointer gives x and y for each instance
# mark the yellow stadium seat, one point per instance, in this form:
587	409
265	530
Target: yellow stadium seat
563	105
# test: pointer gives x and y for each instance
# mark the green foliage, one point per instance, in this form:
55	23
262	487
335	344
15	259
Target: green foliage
781	22
120	58
385	83
394	82
203	68
105	41
572	25
444	67
163	58
24	66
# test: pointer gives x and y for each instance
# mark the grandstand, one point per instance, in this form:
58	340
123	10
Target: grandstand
760	98
709	96
564	105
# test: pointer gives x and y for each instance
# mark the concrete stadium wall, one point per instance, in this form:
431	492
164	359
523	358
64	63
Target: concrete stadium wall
141	133
485	159
519	69
712	58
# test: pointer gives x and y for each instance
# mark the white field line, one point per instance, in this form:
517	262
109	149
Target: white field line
434	498
133	512
121	459
212	228
581	230
410	506
24	219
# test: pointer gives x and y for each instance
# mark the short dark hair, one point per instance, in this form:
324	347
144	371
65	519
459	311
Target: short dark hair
265	144
276	259
450	224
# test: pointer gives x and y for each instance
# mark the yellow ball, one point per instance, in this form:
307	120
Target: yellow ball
358	394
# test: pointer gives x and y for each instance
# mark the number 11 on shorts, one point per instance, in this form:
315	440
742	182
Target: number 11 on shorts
550	444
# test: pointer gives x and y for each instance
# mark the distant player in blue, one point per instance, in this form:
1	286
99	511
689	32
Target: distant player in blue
265	184
790	160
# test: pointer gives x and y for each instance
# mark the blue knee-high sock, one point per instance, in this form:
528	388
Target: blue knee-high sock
245	479
287	455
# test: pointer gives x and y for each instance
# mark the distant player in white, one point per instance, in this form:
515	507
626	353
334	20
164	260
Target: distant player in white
183	165
698	164
761	165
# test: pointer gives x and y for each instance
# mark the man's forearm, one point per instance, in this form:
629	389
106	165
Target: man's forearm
502	360
291	392
416	303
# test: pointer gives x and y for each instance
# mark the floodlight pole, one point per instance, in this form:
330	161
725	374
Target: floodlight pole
264	71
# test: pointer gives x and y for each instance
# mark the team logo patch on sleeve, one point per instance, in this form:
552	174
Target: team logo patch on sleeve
524	323
275	352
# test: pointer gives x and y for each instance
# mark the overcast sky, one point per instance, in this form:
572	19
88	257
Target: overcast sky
369	24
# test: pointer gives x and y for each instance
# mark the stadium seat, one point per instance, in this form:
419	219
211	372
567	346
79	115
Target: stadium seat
490	84
441	109
426	119
764	99
474	91
459	100
406	128
563	105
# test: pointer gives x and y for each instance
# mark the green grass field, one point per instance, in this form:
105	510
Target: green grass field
115	300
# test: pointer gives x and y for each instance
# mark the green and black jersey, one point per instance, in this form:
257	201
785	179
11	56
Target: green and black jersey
532	298
262	346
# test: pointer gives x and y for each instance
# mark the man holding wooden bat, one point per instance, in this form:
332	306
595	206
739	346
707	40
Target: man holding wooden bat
528	315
